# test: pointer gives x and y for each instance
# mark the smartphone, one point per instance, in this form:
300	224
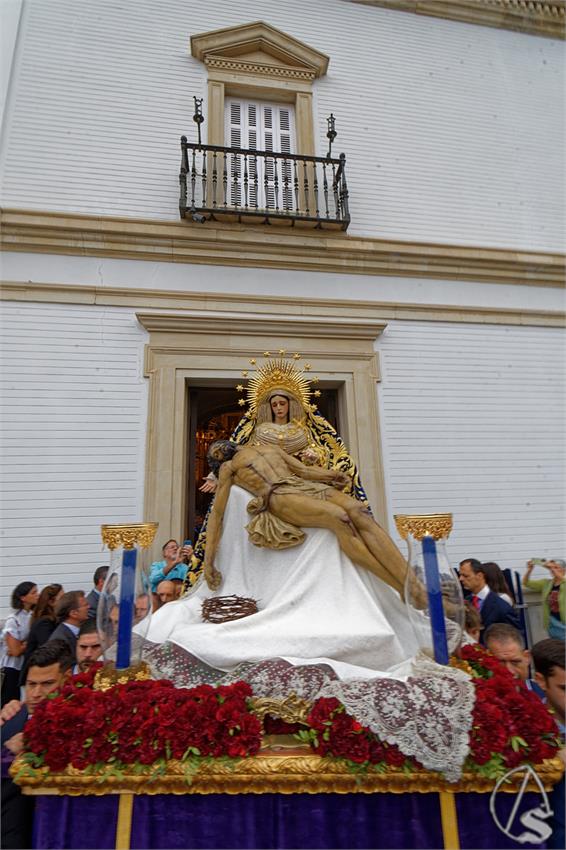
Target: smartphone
538	561
187	543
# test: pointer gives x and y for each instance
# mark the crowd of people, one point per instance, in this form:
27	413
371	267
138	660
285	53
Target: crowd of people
53	634
53	614
489	599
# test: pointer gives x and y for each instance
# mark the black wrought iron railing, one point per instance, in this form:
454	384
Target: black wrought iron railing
227	183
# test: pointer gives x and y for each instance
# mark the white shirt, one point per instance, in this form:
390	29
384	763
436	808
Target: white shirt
506	598
17	625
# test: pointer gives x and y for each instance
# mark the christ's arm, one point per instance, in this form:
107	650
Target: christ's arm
214	529
314	473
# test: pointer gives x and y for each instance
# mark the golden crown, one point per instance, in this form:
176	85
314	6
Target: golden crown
279	373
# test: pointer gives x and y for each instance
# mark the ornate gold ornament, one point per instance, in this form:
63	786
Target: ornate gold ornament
278	374
265	773
292	709
140	533
108	676
423	525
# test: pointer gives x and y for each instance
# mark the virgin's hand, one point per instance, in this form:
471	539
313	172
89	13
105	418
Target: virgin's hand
308	457
340	480
208	486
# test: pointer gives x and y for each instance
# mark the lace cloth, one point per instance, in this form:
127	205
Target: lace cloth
428	716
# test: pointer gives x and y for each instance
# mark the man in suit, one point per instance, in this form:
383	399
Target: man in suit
71	611
46	671
92	598
492	608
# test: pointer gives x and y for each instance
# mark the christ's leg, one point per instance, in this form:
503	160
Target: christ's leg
378	542
306	512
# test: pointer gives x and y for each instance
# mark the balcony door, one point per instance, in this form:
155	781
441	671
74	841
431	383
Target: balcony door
261	182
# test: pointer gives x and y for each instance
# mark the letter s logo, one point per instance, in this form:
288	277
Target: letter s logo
541	831
532	818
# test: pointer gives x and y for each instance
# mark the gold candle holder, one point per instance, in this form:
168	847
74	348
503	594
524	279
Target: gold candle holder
129	535
423	525
126	582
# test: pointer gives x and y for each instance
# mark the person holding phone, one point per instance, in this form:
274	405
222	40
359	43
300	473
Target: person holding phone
173	567
553	592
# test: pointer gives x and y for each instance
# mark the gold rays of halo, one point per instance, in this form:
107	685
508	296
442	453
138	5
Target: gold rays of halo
277	374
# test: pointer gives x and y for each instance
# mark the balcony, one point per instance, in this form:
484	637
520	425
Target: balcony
239	185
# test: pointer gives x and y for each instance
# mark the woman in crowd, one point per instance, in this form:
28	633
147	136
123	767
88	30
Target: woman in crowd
553	592
496	581
14	637
43	621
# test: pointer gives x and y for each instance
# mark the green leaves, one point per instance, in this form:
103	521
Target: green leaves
517	742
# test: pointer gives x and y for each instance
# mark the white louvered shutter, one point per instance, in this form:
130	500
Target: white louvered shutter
260	126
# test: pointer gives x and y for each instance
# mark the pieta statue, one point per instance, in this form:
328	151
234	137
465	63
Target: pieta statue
328	591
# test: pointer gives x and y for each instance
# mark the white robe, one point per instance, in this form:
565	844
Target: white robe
315	607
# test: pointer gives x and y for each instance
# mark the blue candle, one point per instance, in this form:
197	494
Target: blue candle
126	616
437	623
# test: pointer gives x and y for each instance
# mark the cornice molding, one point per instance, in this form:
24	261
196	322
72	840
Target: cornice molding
323	327
370	317
251	46
219	63
536	17
277	248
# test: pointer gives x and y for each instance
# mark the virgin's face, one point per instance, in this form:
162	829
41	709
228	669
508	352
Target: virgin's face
280	409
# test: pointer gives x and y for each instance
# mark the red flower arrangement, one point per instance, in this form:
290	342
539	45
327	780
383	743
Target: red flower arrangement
146	723
334	732
141	722
510	725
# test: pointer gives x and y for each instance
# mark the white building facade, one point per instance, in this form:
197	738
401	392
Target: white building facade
437	315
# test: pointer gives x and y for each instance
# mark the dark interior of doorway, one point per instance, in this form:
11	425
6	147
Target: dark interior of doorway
213	414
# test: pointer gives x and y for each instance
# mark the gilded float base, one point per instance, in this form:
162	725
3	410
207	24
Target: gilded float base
108	676
268	772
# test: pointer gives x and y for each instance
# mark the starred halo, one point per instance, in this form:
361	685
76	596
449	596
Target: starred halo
277	374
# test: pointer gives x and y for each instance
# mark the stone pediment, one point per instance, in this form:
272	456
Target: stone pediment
258	45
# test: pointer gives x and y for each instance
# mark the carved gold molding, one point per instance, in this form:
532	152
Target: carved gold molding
422	525
270	773
127	536
537	17
261	247
292	709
